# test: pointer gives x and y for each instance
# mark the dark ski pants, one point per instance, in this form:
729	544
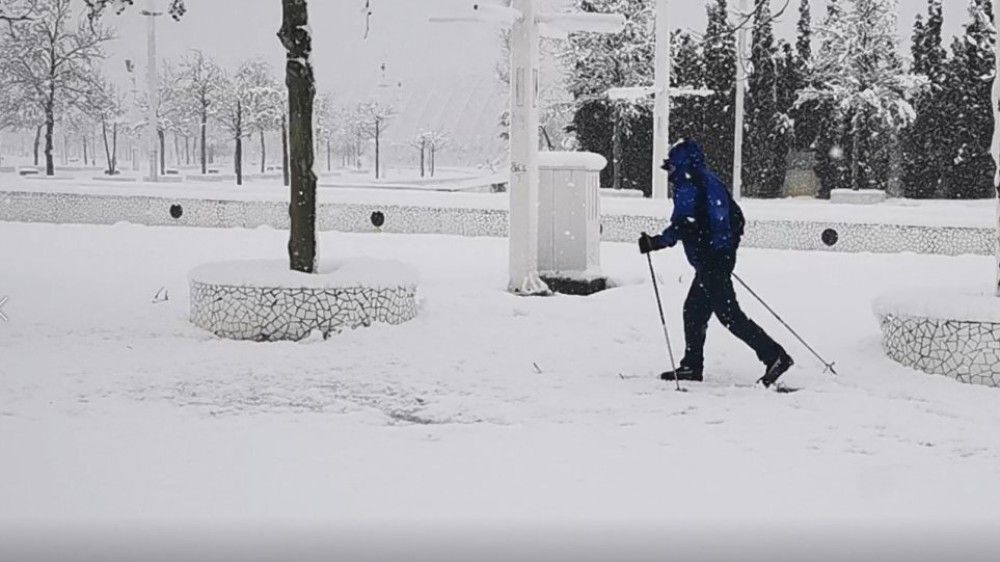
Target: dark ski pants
712	293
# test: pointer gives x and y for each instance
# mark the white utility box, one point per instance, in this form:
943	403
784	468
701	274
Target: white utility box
569	221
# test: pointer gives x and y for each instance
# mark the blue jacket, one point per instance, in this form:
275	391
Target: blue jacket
706	219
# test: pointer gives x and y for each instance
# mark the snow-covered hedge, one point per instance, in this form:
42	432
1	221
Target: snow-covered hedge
265	301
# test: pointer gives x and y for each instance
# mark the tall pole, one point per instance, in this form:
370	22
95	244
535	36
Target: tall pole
524	176
661	99
741	88
152	85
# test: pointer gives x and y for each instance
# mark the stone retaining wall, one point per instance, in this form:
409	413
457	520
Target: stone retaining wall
281	314
24	206
968	351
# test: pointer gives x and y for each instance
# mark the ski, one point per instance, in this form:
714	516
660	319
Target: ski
777	387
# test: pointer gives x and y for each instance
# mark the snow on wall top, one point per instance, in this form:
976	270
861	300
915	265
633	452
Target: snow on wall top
960	304
331	274
575	160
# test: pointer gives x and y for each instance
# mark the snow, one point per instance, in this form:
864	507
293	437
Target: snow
961	303
116	413
330	274
576	160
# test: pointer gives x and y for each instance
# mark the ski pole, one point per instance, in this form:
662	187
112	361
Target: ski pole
663	321
828	365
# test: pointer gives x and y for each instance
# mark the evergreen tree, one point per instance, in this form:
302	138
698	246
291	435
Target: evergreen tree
926	143
828	142
969	84
860	73
764	147
687	113
803	41
598	62
720	76
805	117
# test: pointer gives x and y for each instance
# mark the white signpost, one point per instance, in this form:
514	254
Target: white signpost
661	99
742	41
527	25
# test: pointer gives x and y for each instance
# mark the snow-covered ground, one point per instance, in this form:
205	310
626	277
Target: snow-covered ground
489	416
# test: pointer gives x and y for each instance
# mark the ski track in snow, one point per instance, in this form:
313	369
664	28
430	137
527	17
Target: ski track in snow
112	405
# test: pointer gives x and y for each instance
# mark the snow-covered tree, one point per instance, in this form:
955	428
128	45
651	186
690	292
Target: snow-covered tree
330	124
428	143
374	119
926	142
599	62
250	103
16	11
768	127
687	114
968	86
111	114
806	117
50	59
859	72
202	80
720	77
262	102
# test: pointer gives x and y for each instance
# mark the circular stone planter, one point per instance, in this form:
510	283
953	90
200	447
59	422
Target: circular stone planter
943	332
264	301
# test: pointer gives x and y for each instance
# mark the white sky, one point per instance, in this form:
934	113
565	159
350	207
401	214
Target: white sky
401	37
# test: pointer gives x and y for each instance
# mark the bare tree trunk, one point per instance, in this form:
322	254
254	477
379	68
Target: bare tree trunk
177	151
107	147
204	154
378	133
284	150
86	155
238	161
263	153
50	125
329	154
433	159
163	151
301	84
423	148
616	151
547	138
238	157
854	159
114	148
38	141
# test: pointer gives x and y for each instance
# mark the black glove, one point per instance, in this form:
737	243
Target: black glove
645	244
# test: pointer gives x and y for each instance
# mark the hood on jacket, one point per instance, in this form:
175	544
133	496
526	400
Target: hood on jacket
685	158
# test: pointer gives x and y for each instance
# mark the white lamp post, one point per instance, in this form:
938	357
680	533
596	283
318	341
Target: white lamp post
527	25
152	84
661	100
741	87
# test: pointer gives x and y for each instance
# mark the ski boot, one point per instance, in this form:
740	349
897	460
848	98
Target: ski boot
777	368
683	373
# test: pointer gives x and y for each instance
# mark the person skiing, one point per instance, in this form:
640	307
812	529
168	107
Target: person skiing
709	223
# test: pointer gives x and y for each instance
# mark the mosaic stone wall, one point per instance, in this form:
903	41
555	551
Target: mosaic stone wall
966	351
776	234
272	314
